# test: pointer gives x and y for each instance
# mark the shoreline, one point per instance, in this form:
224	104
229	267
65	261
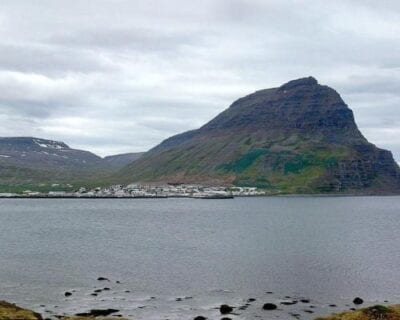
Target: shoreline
12	311
108	298
319	195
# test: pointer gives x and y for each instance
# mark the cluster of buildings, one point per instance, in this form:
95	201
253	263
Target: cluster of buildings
149	191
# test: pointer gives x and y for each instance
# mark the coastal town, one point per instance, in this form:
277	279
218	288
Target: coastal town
145	191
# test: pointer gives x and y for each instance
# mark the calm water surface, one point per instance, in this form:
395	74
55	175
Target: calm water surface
329	249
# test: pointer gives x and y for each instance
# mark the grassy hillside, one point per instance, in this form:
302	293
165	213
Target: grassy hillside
372	313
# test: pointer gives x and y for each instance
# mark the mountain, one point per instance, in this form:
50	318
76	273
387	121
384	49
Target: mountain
26	160
298	138
121	160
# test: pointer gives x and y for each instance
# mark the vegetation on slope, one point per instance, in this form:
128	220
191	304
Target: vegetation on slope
377	312
10	311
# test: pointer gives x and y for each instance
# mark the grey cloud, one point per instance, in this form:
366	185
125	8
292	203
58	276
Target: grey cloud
139	39
119	76
47	59
373	84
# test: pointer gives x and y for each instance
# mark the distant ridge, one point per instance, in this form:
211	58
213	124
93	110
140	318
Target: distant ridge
298	138
30	161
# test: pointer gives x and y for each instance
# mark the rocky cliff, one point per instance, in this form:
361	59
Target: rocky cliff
298	138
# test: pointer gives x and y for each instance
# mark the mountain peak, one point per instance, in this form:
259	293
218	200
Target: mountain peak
25	142
302	82
300	106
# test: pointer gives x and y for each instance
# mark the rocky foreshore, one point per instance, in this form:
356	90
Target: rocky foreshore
111	299
9	311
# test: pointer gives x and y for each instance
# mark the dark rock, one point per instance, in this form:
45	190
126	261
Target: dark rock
333	305
358	301
270	306
127	291
68	294
106	289
178	299
225	309
200	318
98	290
251	300
97	313
226	319
269	292
308	311
305	300
289	303
94	294
102	279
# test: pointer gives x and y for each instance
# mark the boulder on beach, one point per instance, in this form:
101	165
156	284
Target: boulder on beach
102	279
97	313
225	309
270	306
358	300
91	318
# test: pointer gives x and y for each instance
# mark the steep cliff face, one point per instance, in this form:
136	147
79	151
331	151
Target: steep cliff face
298	138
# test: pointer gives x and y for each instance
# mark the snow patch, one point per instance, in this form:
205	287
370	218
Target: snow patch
4	156
50	145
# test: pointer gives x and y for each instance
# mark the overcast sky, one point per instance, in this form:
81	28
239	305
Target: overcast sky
120	76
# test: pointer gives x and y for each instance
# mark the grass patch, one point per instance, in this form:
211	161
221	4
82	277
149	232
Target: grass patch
377	312
244	162
10	311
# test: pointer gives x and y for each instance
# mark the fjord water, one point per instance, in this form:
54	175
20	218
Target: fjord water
327	248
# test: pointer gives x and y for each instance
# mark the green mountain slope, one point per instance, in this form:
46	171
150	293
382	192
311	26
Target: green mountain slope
298	138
